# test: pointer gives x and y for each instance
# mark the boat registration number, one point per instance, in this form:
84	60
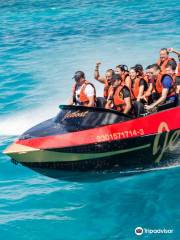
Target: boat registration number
120	135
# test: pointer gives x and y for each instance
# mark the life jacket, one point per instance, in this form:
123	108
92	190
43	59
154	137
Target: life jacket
117	96
159	86
82	96
106	89
135	88
163	64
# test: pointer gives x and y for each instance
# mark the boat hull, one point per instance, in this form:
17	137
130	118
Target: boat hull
136	143
124	154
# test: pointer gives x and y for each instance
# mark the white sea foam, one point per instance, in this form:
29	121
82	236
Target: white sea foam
17	123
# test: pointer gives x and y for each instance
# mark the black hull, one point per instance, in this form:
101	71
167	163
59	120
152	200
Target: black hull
137	153
81	139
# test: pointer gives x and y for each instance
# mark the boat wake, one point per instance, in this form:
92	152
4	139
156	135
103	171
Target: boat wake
18	123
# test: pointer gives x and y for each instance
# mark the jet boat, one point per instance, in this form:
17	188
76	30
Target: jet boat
95	139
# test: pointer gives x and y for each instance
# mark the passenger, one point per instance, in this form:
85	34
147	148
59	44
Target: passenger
138	89
138	84
164	85
148	95
106	80
171	50
84	92
119	97
123	72
164	59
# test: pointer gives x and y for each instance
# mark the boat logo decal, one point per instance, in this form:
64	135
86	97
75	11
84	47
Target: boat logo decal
76	114
168	142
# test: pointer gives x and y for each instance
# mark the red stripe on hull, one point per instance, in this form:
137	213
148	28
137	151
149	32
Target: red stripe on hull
133	128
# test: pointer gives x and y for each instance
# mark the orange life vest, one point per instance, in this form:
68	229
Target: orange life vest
117	96
163	64
106	89
159	86
82	96
135	88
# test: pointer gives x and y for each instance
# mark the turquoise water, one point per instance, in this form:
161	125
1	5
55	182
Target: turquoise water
41	44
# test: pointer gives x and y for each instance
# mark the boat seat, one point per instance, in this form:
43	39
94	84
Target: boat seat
100	102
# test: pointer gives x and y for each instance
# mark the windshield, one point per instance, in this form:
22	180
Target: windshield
87	118
71	119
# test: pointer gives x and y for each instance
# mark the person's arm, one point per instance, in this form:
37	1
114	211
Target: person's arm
127	100
178	89
143	85
109	103
178	84
128	82
97	76
160	100
174	51
128	105
148	92
91	101
70	101
141	91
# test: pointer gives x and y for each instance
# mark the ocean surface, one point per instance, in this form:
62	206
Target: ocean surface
42	43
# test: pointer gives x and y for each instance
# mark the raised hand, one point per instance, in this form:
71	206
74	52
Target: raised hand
170	50
98	63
